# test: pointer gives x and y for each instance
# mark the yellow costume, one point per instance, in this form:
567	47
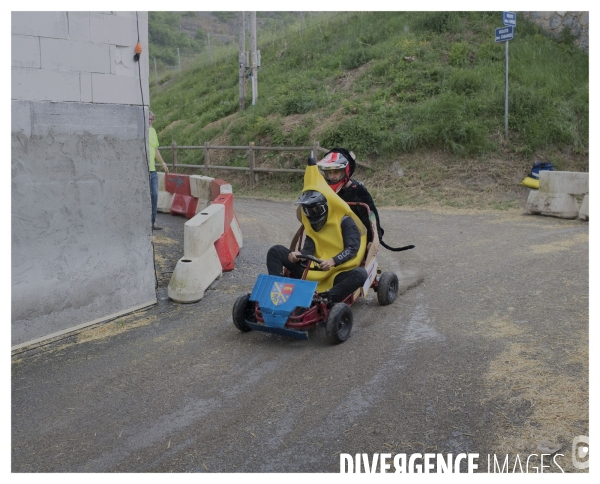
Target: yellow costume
328	241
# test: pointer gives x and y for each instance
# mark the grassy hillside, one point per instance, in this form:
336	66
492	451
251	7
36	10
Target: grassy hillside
417	95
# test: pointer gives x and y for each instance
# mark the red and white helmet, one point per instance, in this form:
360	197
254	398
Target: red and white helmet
333	161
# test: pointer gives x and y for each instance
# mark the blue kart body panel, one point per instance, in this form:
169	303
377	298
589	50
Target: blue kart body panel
277	297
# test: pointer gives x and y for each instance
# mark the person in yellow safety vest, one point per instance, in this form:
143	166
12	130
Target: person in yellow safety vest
334	234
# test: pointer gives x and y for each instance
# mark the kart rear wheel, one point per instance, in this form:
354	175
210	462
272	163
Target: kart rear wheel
243	309
387	289
339	323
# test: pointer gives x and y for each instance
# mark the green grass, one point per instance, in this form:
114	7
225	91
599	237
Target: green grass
391	84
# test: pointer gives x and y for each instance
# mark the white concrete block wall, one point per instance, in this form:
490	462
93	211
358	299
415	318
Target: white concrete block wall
74	56
79	57
25	51
41	24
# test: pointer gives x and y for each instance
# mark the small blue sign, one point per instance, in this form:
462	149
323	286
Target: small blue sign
505	33
509	18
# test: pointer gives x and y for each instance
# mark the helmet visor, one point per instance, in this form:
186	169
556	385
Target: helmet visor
314	211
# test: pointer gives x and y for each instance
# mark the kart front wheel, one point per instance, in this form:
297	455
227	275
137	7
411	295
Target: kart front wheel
387	289
339	323
243	309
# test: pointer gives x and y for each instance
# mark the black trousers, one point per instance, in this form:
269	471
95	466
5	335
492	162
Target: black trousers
344	284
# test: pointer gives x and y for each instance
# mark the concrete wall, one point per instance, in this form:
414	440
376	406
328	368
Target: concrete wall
81	235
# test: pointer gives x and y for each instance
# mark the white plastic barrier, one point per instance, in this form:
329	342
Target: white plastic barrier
200	264
165	199
556	196
237	231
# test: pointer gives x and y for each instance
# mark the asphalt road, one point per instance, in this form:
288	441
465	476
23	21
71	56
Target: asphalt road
485	351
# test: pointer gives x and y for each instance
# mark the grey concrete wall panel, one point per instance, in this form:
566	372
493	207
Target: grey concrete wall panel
69	55
85	81
123	63
21	118
79	26
113	29
81	238
120	122
45	85
25	51
131	15
41	24
109	88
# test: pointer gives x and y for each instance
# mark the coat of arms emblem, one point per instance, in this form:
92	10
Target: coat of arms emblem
281	292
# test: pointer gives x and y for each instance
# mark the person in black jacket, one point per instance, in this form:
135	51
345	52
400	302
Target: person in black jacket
337	167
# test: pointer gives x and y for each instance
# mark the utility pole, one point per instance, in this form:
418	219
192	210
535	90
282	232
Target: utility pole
253	57
242	61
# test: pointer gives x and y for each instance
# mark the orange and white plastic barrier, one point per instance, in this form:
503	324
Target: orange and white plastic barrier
227	245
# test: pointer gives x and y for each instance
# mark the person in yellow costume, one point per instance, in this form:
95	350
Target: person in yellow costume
334	234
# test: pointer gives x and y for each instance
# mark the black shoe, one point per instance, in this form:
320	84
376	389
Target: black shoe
326	298
156	227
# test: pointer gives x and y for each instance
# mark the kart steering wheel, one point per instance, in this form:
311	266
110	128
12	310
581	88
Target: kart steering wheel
309	257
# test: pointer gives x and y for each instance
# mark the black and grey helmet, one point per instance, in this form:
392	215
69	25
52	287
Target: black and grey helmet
314	206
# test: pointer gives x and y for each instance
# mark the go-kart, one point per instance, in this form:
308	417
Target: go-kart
291	307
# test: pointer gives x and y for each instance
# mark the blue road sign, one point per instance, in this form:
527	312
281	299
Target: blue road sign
509	18
505	33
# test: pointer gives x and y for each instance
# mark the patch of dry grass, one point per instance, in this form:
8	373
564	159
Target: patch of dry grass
113	328
526	374
561	244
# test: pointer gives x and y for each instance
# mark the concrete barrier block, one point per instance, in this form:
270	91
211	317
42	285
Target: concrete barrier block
531	206
202	204
584	210
203	230
165	200
562	205
200	186
192	276
161	182
571	182
237	231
